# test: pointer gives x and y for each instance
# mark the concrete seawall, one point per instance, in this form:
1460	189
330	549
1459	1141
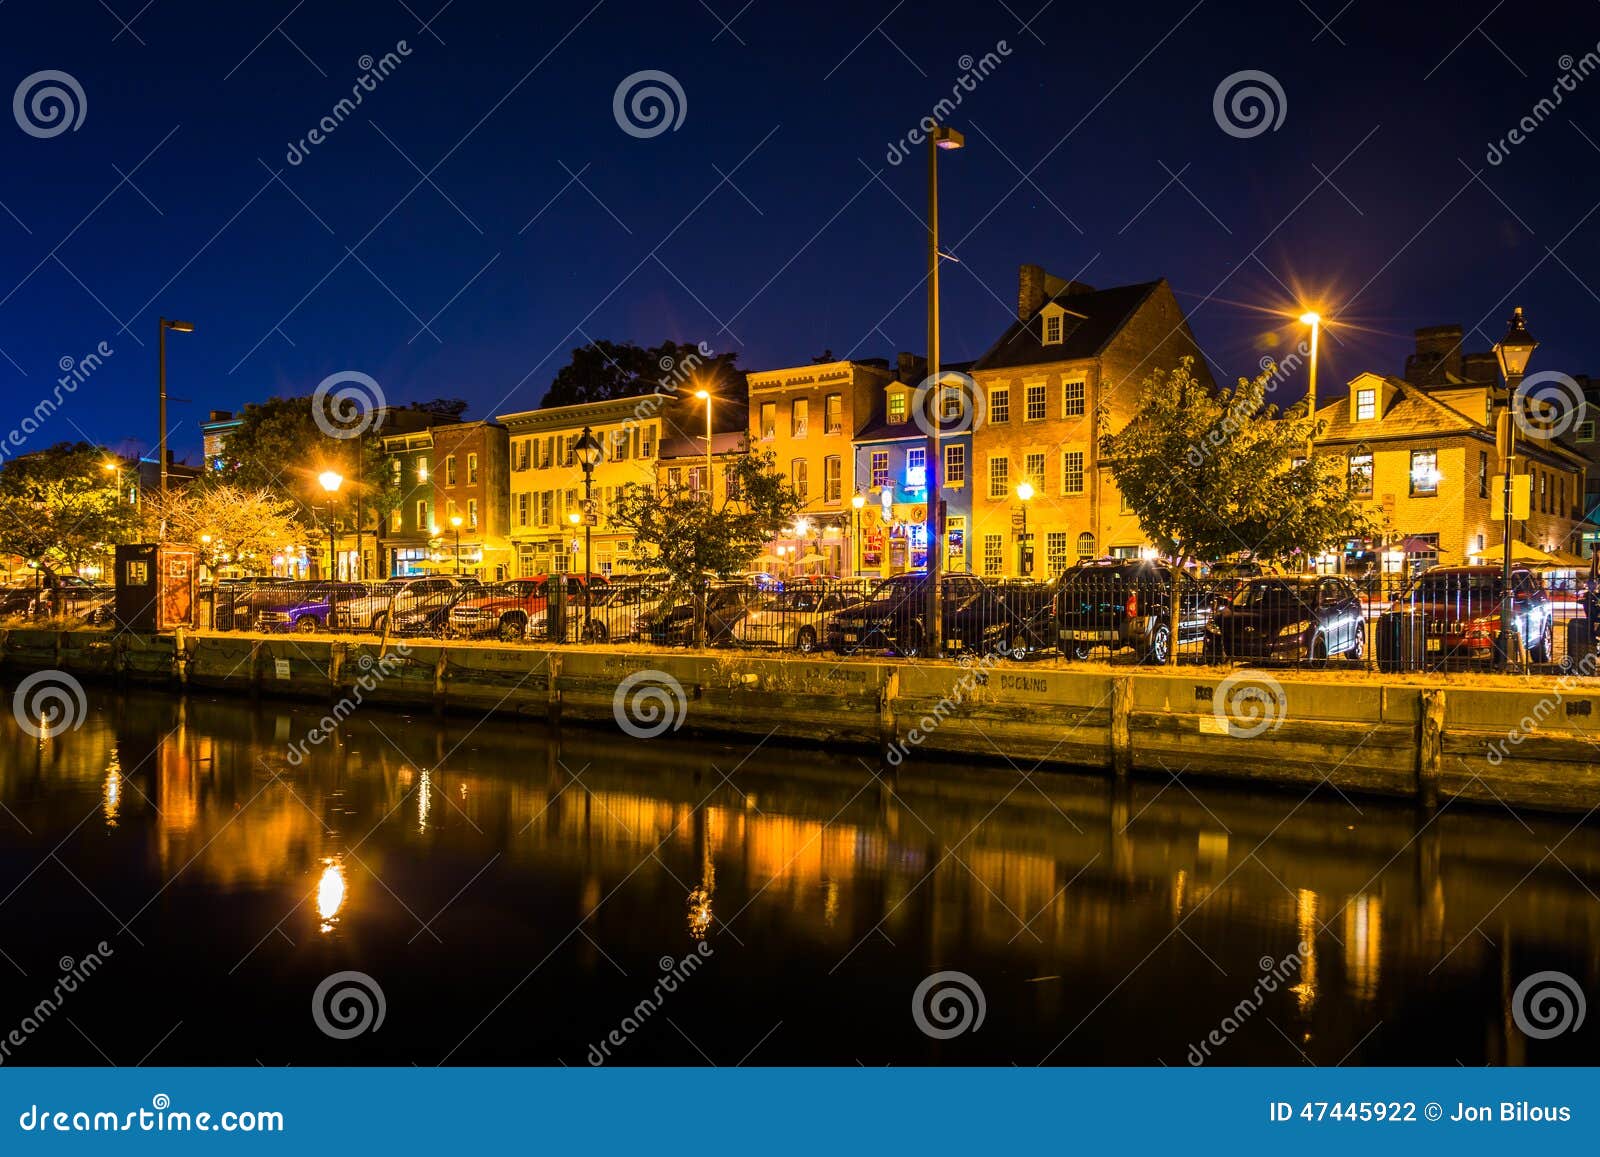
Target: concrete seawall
1529	743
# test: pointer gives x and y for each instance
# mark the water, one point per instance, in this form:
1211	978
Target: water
513	892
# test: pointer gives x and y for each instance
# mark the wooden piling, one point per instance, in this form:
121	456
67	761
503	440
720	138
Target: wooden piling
1430	746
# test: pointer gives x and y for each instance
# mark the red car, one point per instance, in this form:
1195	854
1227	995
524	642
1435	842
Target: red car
505	609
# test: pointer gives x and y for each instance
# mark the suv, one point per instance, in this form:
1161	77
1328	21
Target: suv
1458	611
395	597
894	617
507	609
1117	603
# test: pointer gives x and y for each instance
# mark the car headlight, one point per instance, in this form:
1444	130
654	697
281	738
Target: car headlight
1293	629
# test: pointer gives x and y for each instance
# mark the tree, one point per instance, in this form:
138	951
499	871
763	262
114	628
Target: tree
691	538
242	525
61	508
1211	473
604	370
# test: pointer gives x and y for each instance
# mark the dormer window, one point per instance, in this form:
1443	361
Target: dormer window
897	408
1051	326
1366	405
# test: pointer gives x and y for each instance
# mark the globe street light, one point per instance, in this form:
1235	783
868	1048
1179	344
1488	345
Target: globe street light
705	396
858	501
942	137
1512	352
1024	552
1314	320
331	480
161	417
589	452
455	522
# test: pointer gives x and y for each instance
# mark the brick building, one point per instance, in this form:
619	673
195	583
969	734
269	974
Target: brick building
471	483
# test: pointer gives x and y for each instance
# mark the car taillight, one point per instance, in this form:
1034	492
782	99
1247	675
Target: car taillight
1132	605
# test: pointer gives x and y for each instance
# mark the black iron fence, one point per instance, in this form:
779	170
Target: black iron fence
1452	618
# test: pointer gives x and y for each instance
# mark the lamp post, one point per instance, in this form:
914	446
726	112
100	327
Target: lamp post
1314	320
1512	352
455	524
1024	554
943	137
857	501
331	480
161	417
589	452
705	396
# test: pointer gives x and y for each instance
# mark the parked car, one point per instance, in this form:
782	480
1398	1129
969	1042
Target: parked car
50	594
396	597
507	610
613	617
303	607
1458	611
894	617
795	620
672	623
1290	618
1120	603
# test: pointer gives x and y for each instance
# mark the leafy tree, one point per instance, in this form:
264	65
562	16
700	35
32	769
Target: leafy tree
228	523
62	508
1211	473
604	370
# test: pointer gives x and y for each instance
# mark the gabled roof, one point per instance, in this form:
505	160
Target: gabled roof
1411	414
1091	321
879	428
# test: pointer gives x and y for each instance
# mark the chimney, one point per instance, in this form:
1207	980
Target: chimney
1030	291
1481	367
910	368
221	415
1438	357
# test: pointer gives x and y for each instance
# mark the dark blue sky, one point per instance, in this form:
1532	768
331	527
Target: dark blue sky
511	261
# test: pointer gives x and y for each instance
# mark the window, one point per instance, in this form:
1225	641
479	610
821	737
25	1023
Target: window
1000	404
955	465
1483	474
993	558
1428	556
1055	552
1361	475
547	507
647	441
1072	395
1052	329
769	419
522	454
833	413
1544	492
1366	405
1035	405
1085	545
730	483
450	510
472	469
422	514
524	506
880	469
999	477
897	408
1072	472
798	477
472	512
619	440
798	411
450	470
697	479
1562	509
1424	473
950	403
916	468
422	467
1033	471
832	479
397	520
1585	431
394	470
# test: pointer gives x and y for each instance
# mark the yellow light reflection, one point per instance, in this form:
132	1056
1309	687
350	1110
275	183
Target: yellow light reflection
1305	918
424	801
1363	944
330	893
111	791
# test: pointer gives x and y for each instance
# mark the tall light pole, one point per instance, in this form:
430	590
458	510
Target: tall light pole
705	396
943	137
589	452
857	501
161	417
1024	551
1512	352
331	480
1314	320
455	523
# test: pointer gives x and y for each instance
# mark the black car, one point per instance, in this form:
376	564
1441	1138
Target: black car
894	617
673	622
1119	603
1290	619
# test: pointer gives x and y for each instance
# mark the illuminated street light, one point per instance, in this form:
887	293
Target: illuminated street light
1314	320
1512	352
455	522
1024	549
705	396
858	501
331	480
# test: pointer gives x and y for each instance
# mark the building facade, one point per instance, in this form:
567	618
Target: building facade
471	483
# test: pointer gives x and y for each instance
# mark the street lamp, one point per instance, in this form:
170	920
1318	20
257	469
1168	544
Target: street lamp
161	417
1512	352
455	523
331	480
858	501
705	396
1314	320
1024	554
942	137
589	452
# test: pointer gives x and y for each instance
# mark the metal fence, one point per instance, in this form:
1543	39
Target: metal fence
72	604
1448	618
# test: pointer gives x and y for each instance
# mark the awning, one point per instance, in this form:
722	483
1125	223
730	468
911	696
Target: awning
1520	552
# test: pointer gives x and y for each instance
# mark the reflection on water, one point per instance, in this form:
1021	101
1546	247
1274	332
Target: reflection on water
513	892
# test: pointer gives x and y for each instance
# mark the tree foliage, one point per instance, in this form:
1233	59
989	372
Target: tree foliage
1211	474
604	370
62	508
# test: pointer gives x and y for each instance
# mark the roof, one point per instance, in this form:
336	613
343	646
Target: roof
878	427
1412	413
1092	320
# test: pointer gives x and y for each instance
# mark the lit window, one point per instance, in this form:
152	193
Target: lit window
916	468
1000	404
798	474
1366	405
1052	329
1361	475
833	413
993	556
1424	472
1072	394
1035	404
1085	545
955	465
1055	552
769	420
897	408
797	417
1033	471
1072	472
832	479
999	478
880	468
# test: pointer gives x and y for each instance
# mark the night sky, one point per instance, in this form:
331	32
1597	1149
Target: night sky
769	221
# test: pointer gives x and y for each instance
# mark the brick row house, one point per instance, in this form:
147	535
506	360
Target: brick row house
444	472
